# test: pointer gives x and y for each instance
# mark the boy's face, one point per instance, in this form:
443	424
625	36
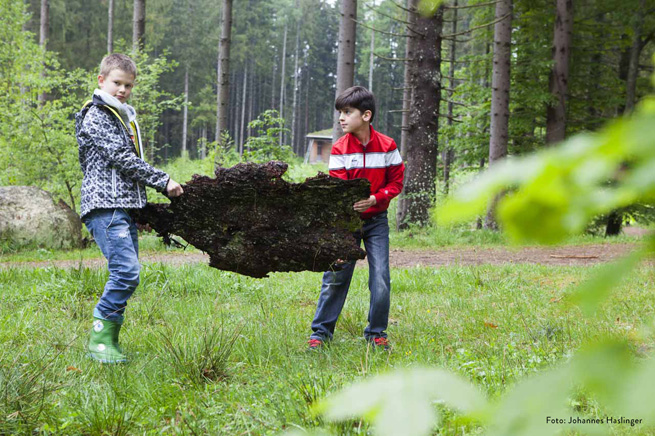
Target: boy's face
353	120
117	83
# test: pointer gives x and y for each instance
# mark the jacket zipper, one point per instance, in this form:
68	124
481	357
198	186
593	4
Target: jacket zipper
113	180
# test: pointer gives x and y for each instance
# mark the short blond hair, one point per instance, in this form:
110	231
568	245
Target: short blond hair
117	61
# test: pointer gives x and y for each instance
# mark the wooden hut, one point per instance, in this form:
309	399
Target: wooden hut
319	146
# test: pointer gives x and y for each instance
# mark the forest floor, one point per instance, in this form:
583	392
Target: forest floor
581	255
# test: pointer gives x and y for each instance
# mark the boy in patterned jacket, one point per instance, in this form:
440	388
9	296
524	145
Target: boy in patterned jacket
115	175
362	153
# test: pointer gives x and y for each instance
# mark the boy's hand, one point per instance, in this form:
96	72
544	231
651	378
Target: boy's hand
363	205
174	189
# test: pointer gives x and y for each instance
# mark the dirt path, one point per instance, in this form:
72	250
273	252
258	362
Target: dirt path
403	258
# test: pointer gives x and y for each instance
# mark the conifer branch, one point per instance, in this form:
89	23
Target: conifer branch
479	5
401	35
384	14
393	59
403	7
452	35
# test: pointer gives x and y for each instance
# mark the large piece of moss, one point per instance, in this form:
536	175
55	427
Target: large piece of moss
251	221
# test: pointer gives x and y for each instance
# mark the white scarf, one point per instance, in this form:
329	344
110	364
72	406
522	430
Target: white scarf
127	112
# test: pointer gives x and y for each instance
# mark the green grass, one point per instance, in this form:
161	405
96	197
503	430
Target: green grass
494	325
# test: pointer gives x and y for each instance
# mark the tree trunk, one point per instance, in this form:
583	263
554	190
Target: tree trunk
345	57
449	152
614	223
110	27
43	39
243	109
139	25
559	75
255	86
635	52
283	76
223	95
294	107
185	112
500	82
423	129
401	211
371	59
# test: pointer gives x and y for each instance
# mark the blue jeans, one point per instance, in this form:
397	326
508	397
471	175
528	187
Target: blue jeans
375	234
116	235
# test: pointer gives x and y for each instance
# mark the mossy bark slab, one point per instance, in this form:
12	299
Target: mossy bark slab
251	221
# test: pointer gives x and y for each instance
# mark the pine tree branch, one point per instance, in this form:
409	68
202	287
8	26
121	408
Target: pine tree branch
479	5
401	35
402	7
452	35
457	103
384	14
393	59
453	119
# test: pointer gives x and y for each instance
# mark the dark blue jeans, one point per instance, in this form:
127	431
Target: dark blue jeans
116	235
375	234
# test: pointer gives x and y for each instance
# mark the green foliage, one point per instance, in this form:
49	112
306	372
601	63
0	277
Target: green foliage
563	188
401	402
265	146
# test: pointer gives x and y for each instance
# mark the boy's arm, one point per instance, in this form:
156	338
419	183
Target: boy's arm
100	129
395	176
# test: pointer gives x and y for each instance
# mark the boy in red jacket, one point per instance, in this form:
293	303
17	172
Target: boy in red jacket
362	153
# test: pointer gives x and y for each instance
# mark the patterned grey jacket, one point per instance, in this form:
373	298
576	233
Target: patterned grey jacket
114	175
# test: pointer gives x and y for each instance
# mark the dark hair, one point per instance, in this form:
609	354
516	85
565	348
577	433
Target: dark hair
356	97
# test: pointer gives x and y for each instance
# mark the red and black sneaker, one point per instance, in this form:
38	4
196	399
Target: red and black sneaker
380	342
314	344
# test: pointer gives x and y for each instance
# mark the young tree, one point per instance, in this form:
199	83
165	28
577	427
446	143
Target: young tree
139	25
500	83
559	76
423	128
223	95
346	56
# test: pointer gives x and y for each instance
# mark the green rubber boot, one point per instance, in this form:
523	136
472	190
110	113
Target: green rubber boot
103	344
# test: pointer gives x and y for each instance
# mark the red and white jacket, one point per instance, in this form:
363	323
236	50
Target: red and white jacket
378	161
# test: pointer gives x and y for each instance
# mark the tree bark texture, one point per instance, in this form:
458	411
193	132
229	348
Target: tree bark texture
559	75
423	128
223	95
139	25
500	82
345	57
110	27
412	7
250	221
